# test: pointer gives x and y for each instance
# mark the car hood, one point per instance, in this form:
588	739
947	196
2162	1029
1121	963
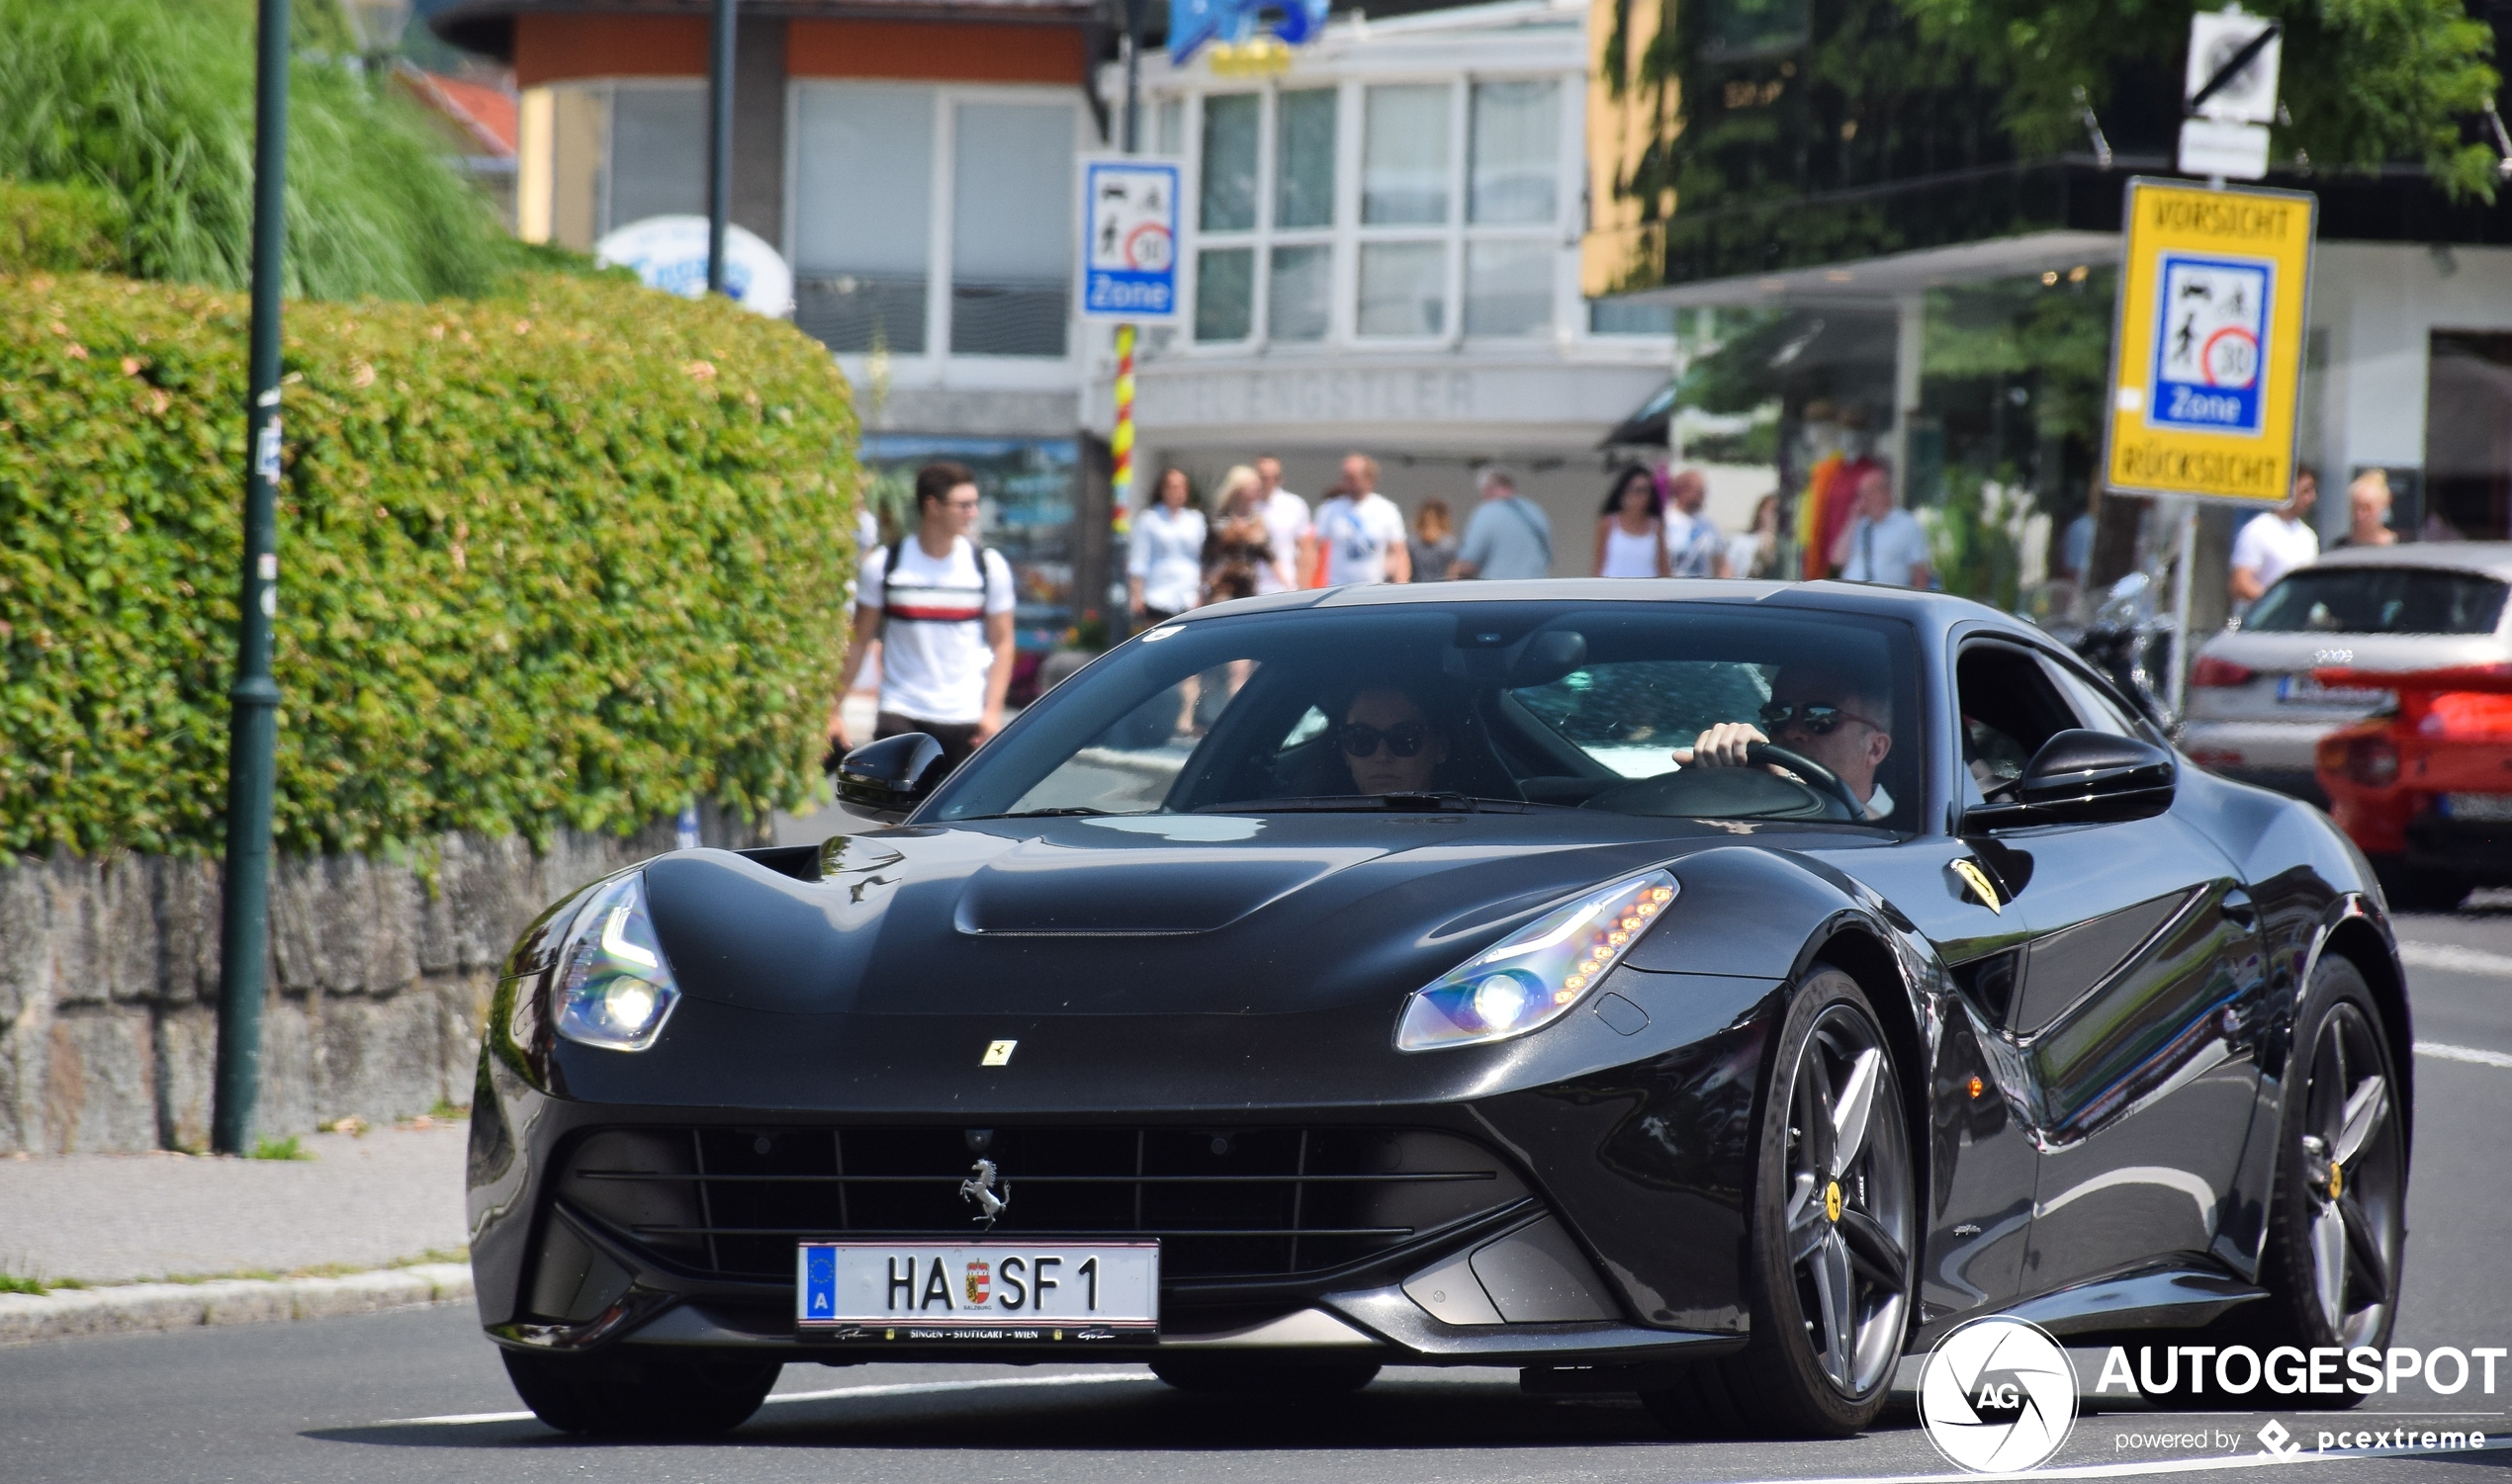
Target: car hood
1150	914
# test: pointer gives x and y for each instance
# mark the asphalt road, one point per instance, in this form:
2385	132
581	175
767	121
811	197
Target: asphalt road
336	1400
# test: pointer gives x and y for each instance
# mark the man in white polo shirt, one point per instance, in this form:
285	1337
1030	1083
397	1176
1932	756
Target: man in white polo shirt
1362	531
941	607
2274	542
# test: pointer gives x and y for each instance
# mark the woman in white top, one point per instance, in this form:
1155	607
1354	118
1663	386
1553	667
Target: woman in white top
1164	571
1631	533
1164	556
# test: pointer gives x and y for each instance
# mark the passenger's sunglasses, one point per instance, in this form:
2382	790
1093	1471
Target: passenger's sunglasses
1816	719
1403	740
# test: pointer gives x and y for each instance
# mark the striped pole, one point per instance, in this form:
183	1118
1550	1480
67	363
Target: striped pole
1121	444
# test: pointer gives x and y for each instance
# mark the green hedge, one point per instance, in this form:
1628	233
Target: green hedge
59	228
572	554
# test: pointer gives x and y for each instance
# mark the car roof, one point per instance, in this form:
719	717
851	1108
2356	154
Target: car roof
1932	612
2493	557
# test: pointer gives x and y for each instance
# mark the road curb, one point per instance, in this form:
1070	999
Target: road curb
139	1308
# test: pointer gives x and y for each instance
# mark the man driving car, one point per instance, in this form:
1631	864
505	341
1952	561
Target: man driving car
1827	715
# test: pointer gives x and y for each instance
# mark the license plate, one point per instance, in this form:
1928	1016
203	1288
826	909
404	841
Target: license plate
2477	806
2303	690
977	1290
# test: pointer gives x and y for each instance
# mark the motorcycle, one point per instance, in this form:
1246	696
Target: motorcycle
2131	644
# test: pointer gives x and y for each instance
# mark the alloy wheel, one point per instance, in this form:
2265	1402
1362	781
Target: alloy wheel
2352	1171
1849	1203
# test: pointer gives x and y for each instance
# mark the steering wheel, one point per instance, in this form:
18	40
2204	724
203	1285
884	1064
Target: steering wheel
1814	773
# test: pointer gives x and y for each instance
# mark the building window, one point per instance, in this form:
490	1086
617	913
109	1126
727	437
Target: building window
1403	290
1011	228
1229	164
658	153
859	274
1225	293
1455	225
870	166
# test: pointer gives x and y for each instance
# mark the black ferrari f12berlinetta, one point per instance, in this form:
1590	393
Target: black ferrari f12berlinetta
1708	990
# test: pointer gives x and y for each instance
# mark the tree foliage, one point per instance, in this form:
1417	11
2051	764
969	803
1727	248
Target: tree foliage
2364	81
149	103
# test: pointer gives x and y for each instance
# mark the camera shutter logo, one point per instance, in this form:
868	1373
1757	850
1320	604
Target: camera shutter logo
1998	1395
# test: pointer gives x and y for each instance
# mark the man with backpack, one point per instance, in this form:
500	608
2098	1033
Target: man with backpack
941	607
1510	536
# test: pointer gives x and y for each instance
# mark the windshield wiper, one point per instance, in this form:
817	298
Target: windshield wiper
1060	812
1398	803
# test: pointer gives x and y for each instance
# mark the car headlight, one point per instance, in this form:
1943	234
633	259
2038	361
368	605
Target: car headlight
1536	974
613	987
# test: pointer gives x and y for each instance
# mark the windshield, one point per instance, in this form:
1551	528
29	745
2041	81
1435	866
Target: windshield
1469	705
2379	600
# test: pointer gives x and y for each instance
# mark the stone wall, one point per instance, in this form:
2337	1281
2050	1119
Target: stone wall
109	983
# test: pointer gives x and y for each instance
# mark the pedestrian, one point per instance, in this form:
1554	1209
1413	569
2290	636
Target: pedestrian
2367	507
1510	539
1240	547
1694	548
1288	529
1882	543
1754	551
941	607
1433	544
1631	530
1361	531
2274	542
1164	556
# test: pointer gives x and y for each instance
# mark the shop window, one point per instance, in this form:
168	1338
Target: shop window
1517	154
859	274
1404	155
1303	158
1011	228
1404	288
1229	162
1509	286
658	152
1299	293
1225	293
2467	436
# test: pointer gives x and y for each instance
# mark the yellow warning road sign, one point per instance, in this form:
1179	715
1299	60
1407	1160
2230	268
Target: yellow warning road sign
2206	358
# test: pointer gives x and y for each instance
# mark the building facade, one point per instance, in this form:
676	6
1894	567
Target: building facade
1385	258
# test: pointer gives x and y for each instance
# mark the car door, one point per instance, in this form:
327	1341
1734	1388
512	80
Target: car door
2126	1009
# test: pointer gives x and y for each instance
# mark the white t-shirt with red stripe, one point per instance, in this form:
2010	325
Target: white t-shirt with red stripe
933	653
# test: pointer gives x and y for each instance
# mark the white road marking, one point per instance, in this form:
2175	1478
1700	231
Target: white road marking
904	1388
2473	1054
2151	1467
2450	958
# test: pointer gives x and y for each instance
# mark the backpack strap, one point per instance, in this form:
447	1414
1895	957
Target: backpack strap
898	548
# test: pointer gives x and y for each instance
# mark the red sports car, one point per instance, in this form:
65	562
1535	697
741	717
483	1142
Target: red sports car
2426	791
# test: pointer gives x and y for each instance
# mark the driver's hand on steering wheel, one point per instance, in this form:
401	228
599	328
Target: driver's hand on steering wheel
1722	747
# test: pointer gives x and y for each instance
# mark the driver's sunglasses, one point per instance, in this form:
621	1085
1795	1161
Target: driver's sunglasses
1403	740
1816	719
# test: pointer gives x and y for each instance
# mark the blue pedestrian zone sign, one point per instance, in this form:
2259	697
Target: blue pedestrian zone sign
1130	237
2211	342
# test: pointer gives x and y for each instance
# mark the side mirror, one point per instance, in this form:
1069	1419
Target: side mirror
2083	778
885	780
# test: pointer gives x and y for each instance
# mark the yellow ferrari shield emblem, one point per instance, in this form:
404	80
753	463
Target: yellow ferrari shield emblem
1832	1201
1978	881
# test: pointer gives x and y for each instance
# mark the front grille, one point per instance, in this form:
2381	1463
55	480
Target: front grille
1227	1204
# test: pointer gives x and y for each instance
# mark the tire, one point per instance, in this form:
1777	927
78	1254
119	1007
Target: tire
1817	1366
612	1396
1264	1376
2334	1246
2420	888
